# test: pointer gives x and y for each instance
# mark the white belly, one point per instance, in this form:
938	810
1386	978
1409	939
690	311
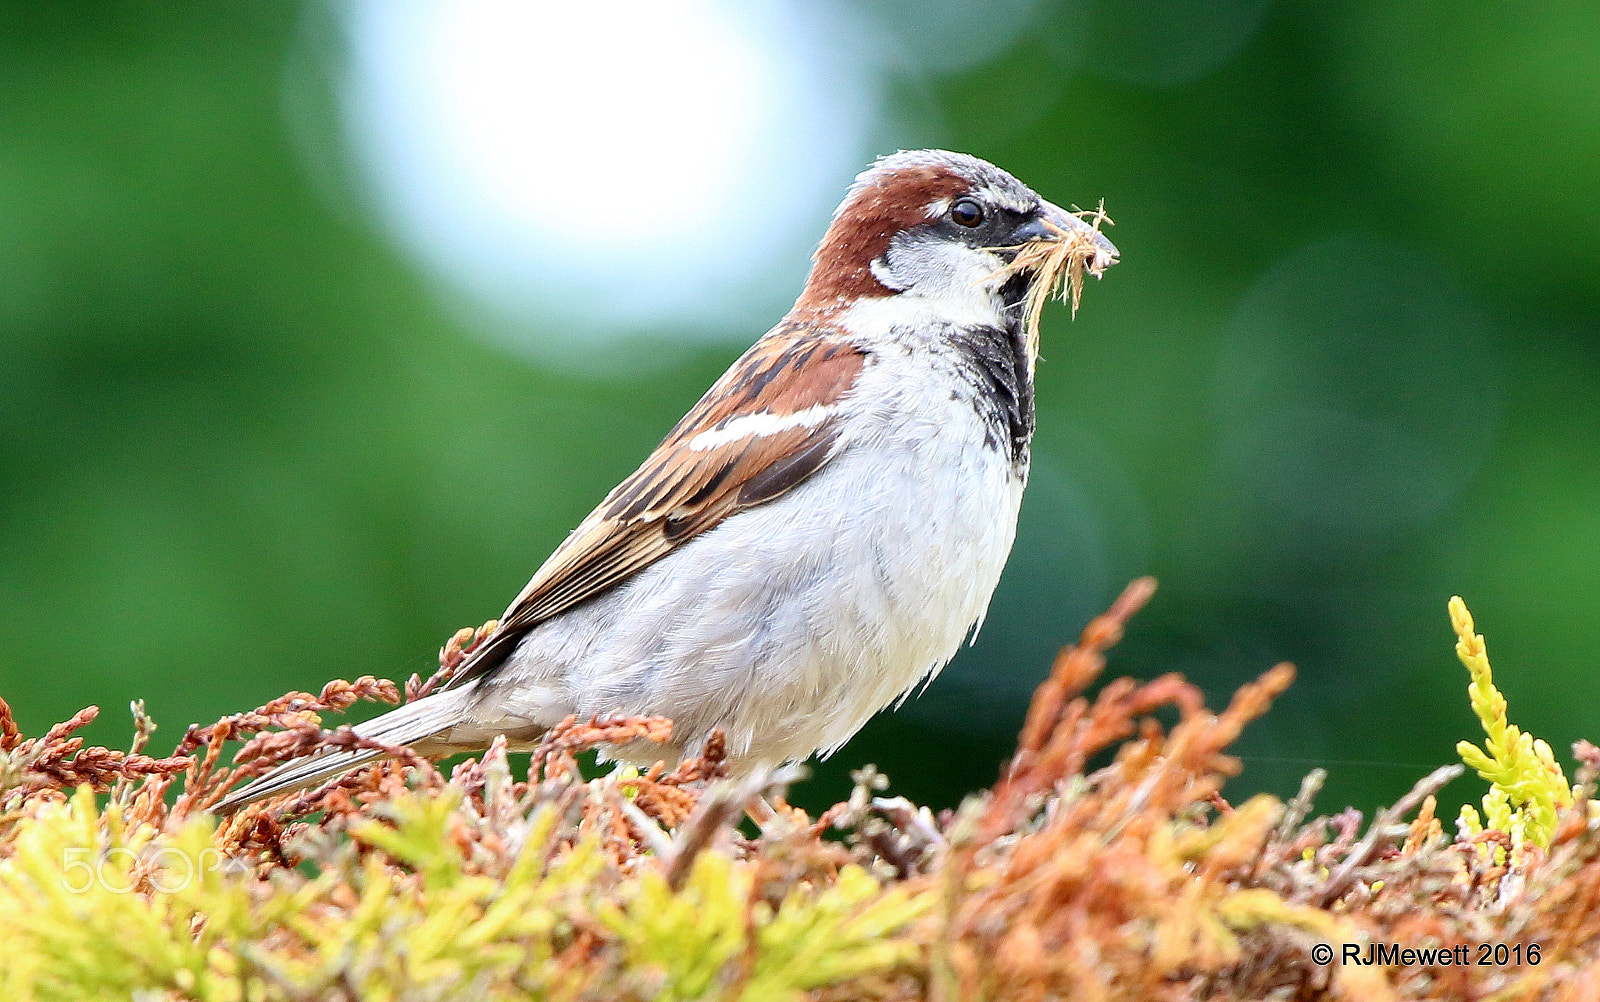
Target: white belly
790	624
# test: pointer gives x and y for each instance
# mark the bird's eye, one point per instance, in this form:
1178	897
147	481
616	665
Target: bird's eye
967	212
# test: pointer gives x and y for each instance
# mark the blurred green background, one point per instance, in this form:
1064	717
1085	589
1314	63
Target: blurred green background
264	421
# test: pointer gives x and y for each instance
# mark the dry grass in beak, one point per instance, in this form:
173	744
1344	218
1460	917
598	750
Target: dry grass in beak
1057	266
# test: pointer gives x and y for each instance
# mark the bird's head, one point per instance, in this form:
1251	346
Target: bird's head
954	230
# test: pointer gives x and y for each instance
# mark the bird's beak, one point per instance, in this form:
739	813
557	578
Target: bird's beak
1053	223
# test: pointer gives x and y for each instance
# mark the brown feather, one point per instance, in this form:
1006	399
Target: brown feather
863	227
680	492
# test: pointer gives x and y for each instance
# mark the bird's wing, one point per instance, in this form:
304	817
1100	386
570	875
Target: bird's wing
765	426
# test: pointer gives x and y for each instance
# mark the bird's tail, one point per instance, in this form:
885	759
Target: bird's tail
410	724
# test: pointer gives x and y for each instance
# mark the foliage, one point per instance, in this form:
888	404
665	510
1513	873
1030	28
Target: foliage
1527	787
1103	864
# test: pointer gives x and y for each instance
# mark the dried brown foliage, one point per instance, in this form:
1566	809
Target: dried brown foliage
1131	880
1060	265
59	761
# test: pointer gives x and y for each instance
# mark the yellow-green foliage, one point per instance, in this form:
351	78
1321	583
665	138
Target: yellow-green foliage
1133	879
1527	786
78	921
693	936
91	909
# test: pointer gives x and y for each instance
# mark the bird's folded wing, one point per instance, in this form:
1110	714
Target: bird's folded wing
769	423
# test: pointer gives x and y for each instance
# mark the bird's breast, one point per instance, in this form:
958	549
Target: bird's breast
792	622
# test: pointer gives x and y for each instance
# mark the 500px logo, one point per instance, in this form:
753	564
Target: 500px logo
121	870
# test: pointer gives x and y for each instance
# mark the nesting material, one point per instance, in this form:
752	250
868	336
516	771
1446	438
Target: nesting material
1058	267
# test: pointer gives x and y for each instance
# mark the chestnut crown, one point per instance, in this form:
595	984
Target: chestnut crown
930	222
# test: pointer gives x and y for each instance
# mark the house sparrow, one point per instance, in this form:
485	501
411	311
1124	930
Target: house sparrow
821	531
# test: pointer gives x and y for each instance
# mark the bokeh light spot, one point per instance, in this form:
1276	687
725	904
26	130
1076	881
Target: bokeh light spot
607	166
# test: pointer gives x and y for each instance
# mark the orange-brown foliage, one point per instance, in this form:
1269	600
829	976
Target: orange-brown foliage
1136	880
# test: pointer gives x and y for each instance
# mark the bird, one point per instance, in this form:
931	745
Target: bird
821	531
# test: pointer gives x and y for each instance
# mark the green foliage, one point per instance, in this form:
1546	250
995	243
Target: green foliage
1131	881
93	908
693	937
1527	786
